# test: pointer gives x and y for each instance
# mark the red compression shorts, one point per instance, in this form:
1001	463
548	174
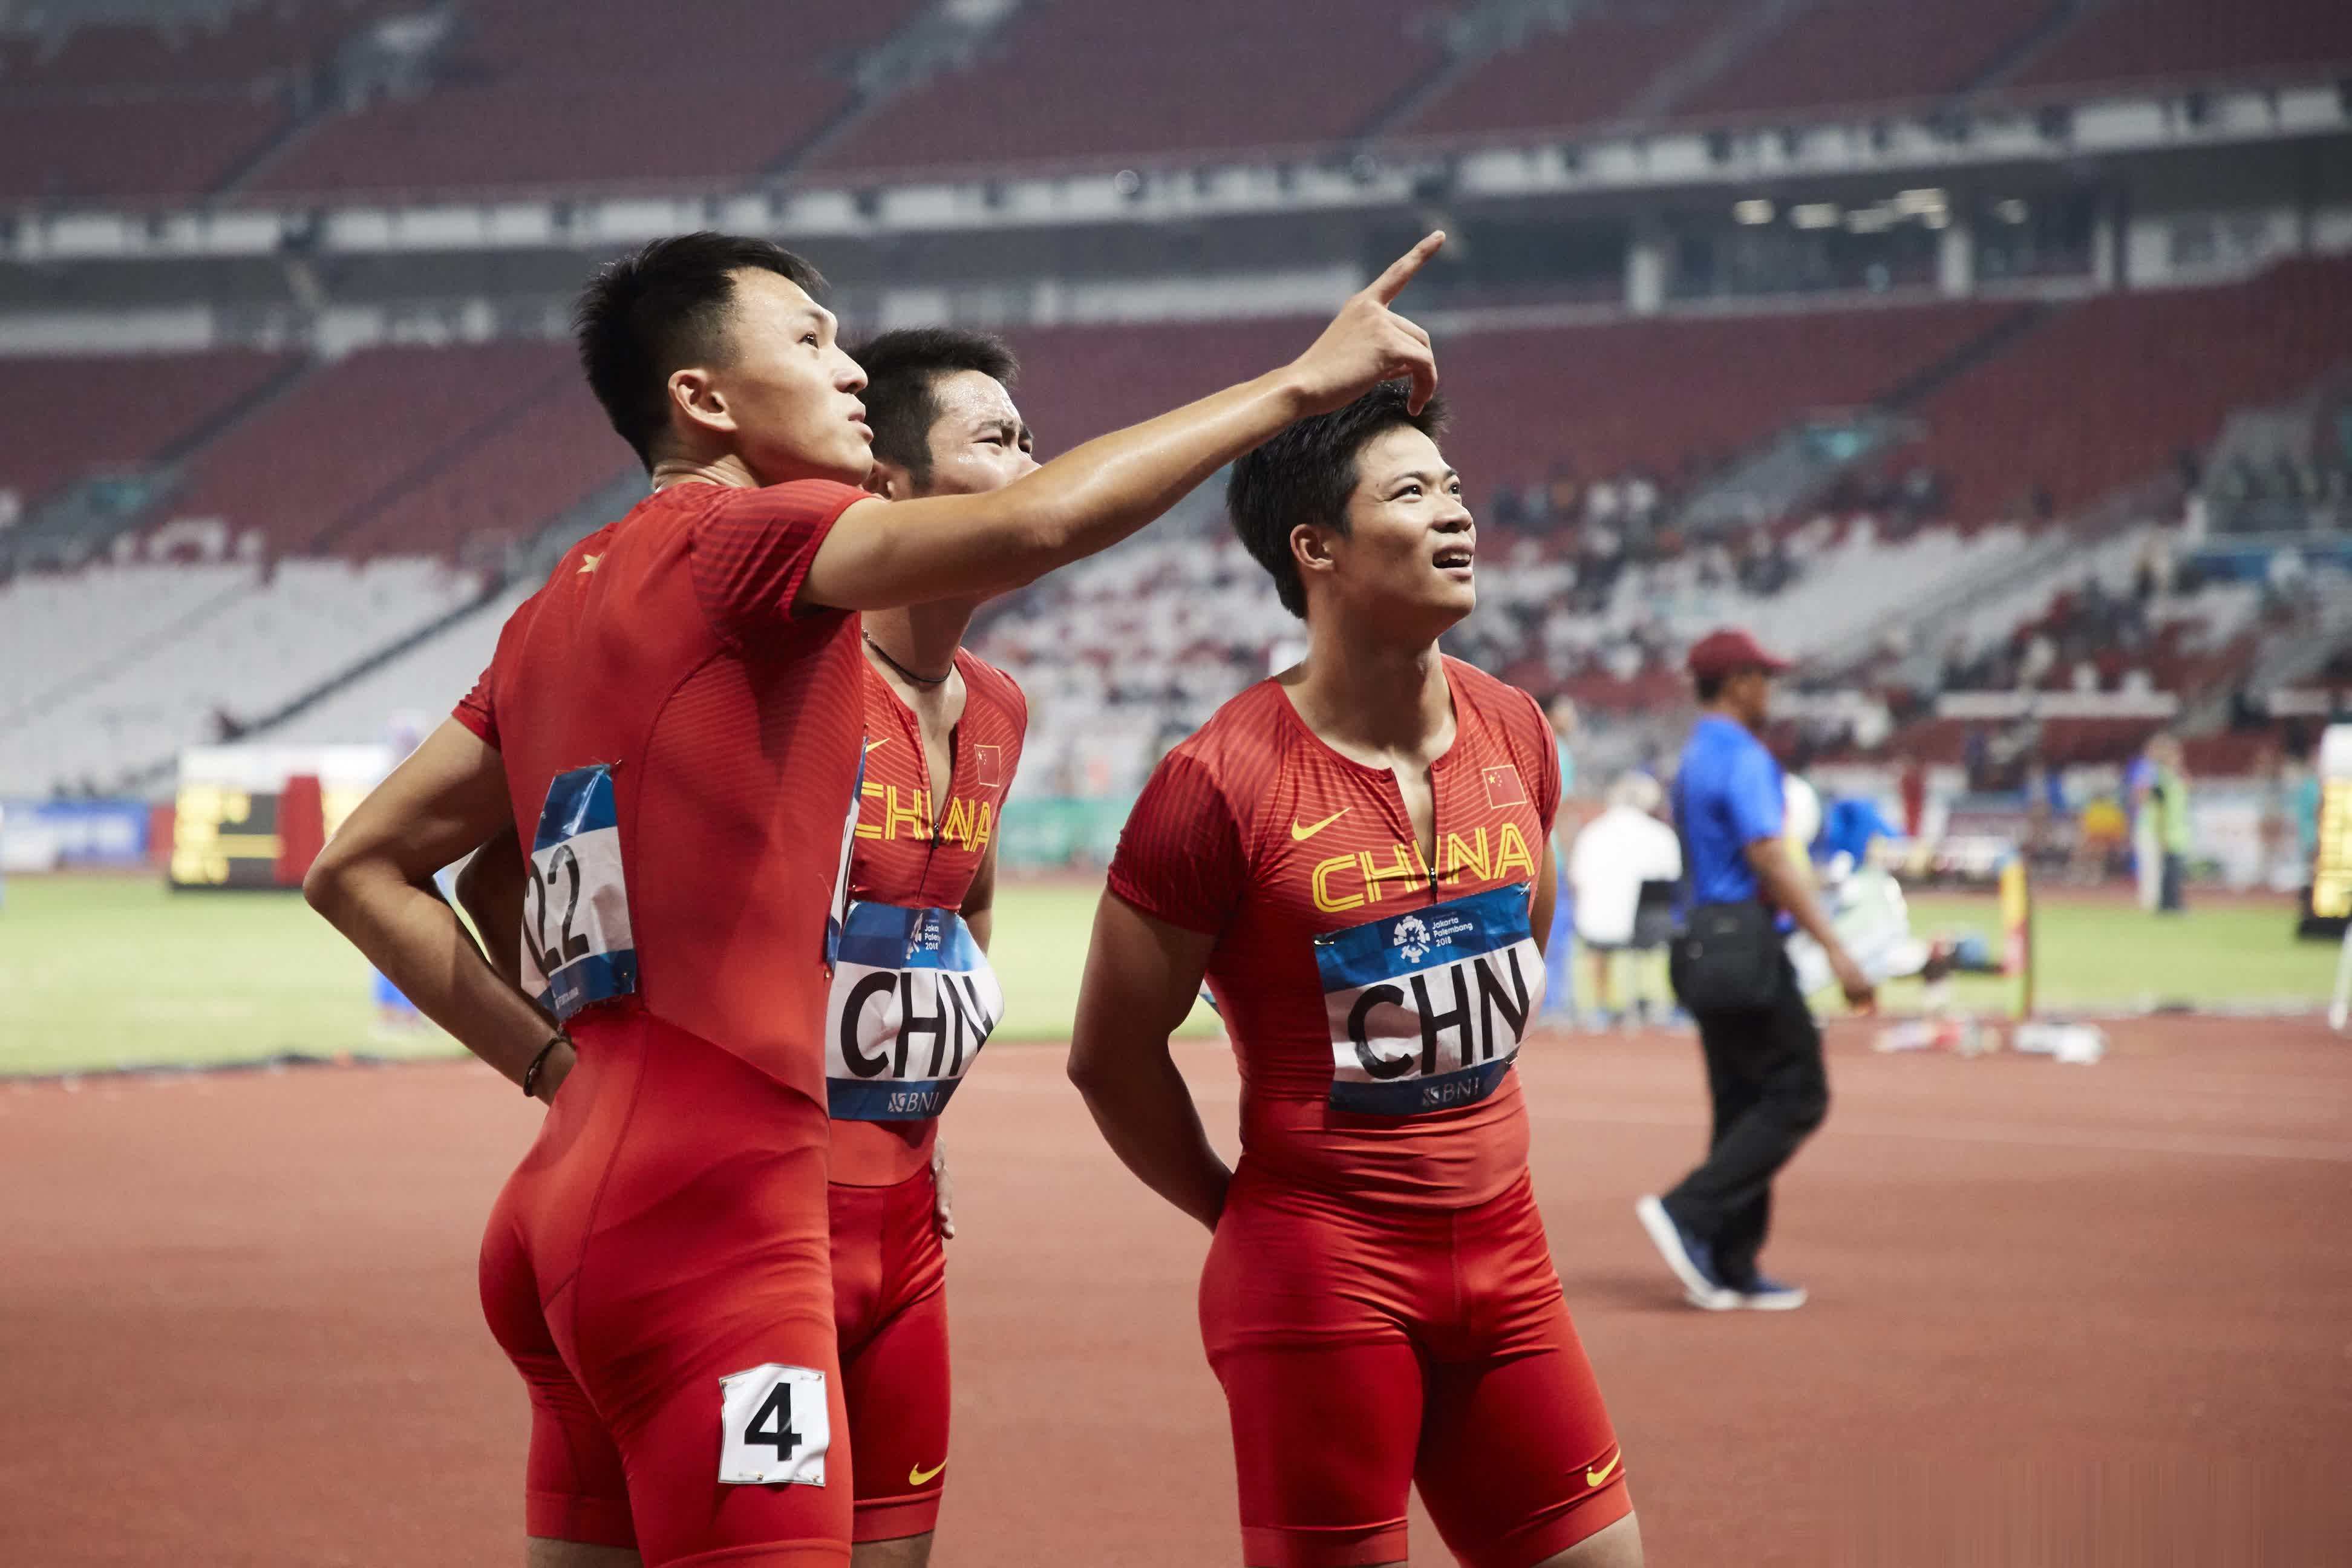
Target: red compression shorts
890	1312
668	1229
1365	1347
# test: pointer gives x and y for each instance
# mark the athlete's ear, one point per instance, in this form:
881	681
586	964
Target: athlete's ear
696	394
890	481
1310	549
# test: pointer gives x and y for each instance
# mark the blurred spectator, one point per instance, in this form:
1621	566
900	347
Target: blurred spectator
1617	853
1914	789
2170	790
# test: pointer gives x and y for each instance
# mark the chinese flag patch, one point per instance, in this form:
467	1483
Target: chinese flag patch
1503	787
988	761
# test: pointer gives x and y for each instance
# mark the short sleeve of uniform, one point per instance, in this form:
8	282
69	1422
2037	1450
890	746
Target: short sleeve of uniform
751	551
476	712
1180	857
1752	797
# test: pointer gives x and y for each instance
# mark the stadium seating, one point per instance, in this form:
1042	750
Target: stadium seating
135	111
392	437
2148	40
1091	81
721	95
97	151
2109	391
1868	52
246	639
1650	394
1587	74
61	417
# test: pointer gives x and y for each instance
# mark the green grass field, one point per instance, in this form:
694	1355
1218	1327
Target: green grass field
99	973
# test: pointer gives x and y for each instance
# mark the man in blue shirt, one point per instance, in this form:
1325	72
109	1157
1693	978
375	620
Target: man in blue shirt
1764	1068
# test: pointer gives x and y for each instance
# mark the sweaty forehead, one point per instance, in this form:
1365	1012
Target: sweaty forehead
970	398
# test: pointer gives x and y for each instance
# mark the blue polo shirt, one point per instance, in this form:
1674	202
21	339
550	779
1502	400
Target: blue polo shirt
1727	797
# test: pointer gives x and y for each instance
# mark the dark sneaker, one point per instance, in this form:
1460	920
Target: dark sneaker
1692	1260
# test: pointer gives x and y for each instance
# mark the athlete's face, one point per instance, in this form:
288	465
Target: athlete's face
977	442
1406	559
785	399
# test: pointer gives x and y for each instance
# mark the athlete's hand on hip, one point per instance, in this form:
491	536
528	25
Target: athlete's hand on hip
1368	344
942	1193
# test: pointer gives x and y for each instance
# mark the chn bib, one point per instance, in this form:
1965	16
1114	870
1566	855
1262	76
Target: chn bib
913	1001
577	944
1428	1006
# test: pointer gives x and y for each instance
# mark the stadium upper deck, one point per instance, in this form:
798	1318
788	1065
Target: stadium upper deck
279	102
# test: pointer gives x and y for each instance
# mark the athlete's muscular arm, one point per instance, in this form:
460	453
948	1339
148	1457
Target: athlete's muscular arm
1142	976
882	555
371	881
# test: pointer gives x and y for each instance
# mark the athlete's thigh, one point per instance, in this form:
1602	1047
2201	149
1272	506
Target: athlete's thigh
575	1494
1518	1459
701	1323
1324	1441
739	1440
1304	1312
897	1387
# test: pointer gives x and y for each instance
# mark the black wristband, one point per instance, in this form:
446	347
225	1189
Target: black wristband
530	1074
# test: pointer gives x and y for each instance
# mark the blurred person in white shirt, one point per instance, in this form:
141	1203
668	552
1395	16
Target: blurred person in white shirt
1618	850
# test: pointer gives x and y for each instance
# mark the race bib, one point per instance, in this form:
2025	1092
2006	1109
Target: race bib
577	946
913	1001
1427	1009
773	1427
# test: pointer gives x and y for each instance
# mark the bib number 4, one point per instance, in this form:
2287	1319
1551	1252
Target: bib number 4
773	1427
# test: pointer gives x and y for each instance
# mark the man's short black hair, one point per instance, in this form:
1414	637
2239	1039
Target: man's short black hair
902	375
648	314
1307	473
1709	687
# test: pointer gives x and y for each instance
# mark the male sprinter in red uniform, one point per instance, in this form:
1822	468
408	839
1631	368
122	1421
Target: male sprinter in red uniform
673	725
913	996
1353	852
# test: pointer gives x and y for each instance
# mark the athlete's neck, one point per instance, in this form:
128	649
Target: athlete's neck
920	638
730	470
1362	691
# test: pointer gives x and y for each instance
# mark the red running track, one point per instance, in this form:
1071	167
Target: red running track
2062	1315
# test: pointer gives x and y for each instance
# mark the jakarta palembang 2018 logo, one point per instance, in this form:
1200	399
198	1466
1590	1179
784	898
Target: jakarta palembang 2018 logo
1413	938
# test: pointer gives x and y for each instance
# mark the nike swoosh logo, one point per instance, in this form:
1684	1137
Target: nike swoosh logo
1593	1477
919	1476
871	744
1301	835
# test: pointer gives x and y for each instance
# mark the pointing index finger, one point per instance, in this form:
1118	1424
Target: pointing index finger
1391	284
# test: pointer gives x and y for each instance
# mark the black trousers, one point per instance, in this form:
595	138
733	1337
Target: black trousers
1765	1074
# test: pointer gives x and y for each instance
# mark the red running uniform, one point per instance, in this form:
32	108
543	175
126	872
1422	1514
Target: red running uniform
1379	1268
913	1003
681	746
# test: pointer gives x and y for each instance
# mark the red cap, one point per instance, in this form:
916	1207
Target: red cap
1729	651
